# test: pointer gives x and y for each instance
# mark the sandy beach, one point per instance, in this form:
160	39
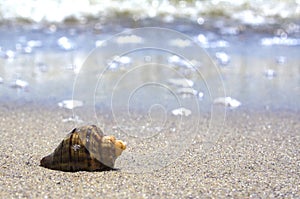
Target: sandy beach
204	93
256	156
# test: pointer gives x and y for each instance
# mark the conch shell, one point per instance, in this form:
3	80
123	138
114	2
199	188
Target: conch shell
85	149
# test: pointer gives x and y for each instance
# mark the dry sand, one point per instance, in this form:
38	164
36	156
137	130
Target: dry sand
256	156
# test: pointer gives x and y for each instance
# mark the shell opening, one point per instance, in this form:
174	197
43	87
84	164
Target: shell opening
120	144
120	147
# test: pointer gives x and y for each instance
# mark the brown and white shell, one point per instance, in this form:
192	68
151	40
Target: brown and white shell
85	149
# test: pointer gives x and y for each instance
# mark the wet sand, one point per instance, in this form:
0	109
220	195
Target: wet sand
256	156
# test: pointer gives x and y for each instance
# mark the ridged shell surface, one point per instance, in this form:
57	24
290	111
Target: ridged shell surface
85	149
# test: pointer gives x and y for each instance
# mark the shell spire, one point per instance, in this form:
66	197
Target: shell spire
85	149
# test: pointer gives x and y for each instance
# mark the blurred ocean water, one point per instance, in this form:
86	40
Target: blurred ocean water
253	45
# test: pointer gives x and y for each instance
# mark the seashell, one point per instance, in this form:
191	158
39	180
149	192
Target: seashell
181	112
85	149
70	104
228	102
